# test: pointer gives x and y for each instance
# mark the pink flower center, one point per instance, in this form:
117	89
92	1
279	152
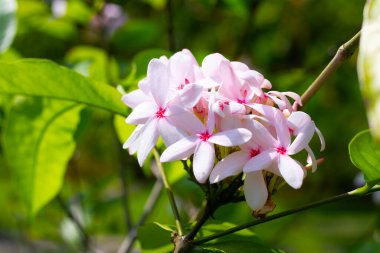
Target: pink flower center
182	85
221	105
281	150
204	136
241	101
253	152
291	131
160	113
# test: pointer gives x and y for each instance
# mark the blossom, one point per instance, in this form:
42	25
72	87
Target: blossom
225	118
201	144
154	108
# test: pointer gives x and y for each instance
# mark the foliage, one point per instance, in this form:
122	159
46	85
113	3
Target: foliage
62	121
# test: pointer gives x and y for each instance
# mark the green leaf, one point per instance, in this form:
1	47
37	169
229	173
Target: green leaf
8	23
365	155
38	142
368	62
240	241
100	67
47	79
154	239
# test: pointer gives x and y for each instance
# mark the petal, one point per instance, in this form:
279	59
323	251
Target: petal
298	120
293	95
180	149
231	165
190	95
230	84
211	66
135	98
282	129
148	141
302	139
261	161
233	137
203	161
133	141
266	110
142	113
312	157
169	133
255	190
321	138
185	120
159	81
211	116
262	136
291	170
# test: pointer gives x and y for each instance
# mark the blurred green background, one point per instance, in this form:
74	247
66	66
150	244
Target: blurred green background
290	42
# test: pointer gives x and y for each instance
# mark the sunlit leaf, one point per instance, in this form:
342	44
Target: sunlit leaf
365	155
8	23
38	142
368	65
47	79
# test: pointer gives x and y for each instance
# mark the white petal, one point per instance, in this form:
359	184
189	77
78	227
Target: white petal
203	161
185	120
282	129
159	81
302	139
230	85
321	138
211	66
292	172
169	133
148	141
297	120
266	110
142	113
133	140
135	98
293	95
210	125
231	165
312	157
262	136
261	161
255	190
180	150
233	137
190	95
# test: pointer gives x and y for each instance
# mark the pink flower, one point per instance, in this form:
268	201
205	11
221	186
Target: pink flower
201	144
155	107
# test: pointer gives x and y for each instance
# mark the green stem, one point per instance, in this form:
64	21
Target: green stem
169	192
344	52
348	195
128	242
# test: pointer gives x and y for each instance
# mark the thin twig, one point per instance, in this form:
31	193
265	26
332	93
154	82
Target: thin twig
75	220
169	192
128	242
347	195
344	52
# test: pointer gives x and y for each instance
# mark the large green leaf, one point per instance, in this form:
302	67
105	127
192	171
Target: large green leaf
365	155
368	64
38	142
153	238
47	79
8	23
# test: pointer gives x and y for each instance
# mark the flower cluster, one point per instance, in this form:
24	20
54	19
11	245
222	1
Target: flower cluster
224	116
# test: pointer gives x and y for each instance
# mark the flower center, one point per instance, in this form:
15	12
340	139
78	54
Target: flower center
160	113
204	136
281	150
182	85
253	152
